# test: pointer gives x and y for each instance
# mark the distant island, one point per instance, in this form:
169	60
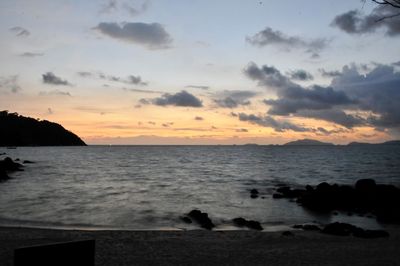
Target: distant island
18	130
308	142
312	142
391	142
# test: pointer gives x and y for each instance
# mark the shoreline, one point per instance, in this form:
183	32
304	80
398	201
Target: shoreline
202	247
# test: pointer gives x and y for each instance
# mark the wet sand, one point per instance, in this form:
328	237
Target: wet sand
200	247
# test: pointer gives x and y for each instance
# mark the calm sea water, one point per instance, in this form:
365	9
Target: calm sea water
150	187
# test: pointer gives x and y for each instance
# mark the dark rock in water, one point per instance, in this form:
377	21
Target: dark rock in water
3	174
202	219
278	196
27	162
3	153
365	184
338	229
17	160
254	191
287	233
366	197
307	227
344	229
254	225
186	219
9	165
241	222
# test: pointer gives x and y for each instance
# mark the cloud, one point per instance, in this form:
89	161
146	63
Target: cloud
50	111
199	118
241	130
354	22
269	121
134	10
10	83
233	98
29	54
360	96
376	91
301	75
268	37
55	93
142	91
292	99
336	116
329	74
151	36
20	32
131	79
50	78
197	87
182	98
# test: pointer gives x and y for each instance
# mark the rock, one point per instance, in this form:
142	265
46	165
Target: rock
278	196
287	233
186	219
28	162
307	227
9	165
241	222
365	184
3	174
254	191
253	196
338	229
202	219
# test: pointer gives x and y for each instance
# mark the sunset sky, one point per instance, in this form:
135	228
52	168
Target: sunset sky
204	72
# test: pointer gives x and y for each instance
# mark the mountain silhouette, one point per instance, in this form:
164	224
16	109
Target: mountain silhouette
18	130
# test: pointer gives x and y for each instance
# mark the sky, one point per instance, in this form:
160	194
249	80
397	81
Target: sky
204	72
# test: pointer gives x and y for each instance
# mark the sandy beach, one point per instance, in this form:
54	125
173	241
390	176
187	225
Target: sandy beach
200	247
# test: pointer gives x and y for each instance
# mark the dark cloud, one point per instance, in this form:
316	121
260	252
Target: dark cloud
359	95
50	111
54	92
20	32
269	121
233	98
29	54
268	36
354	22
336	116
295	98
301	75
151	123
182	98
199	118
10	83
50	78
396	64
241	130
197	87
376	91
152	36
266	76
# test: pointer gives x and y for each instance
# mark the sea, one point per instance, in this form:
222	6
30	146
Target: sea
152	187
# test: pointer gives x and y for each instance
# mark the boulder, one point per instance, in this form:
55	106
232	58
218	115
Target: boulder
201	218
241	222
